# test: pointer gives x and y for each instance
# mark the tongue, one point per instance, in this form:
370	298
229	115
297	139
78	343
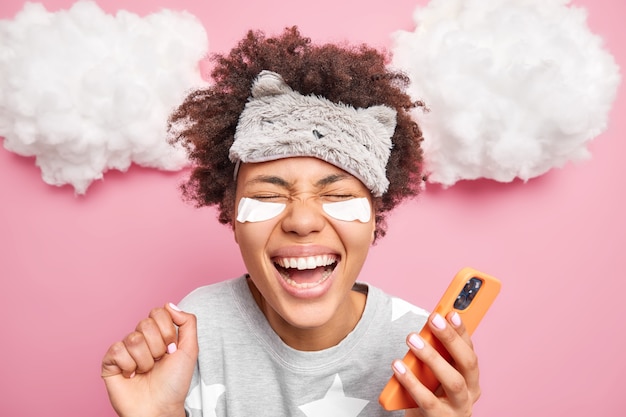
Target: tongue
306	275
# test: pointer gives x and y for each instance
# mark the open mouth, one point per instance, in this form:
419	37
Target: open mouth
306	272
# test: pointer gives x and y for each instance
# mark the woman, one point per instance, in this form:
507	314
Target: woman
304	149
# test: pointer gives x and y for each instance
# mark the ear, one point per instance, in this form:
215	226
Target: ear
384	115
269	83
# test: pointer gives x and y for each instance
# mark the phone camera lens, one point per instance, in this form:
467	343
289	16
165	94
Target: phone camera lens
467	294
461	302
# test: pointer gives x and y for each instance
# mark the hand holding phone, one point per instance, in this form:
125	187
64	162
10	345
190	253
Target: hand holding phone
470	294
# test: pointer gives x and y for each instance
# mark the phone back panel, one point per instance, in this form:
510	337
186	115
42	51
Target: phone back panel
394	396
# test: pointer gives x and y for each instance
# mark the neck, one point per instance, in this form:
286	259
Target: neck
318	338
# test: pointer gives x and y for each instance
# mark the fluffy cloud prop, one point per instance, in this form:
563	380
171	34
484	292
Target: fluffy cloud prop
84	92
514	87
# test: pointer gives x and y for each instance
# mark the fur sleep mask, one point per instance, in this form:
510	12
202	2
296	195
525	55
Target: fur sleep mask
278	122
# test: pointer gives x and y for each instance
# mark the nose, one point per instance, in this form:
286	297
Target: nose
303	218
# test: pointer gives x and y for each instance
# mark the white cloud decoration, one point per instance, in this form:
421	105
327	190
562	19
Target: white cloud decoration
514	87
84	91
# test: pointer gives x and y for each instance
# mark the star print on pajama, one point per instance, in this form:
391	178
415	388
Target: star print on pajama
204	397
400	307
334	403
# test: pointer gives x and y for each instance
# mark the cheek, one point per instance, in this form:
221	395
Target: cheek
356	237
252	239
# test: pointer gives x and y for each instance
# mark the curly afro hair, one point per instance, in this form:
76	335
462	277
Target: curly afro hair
354	75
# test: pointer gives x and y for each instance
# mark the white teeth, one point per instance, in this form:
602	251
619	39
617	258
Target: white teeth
309	262
302	263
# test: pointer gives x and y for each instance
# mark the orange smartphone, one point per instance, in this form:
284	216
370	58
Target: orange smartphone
470	294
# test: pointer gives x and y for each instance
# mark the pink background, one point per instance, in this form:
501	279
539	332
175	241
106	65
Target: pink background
79	272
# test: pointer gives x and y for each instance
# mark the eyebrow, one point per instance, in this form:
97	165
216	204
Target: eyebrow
333	178
270	179
281	182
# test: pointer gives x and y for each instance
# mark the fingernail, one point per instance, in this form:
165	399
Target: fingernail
171	348
399	367
456	319
175	307
439	322
416	341
132	375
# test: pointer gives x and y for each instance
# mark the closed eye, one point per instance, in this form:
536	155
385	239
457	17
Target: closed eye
269	197
338	197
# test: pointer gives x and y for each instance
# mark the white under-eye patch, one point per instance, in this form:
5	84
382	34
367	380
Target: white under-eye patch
349	210
251	210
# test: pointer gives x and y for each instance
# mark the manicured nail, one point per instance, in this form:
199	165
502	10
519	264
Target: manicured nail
416	341
456	319
399	367
174	307
171	348
439	322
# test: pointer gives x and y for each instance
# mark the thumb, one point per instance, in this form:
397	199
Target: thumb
187	330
